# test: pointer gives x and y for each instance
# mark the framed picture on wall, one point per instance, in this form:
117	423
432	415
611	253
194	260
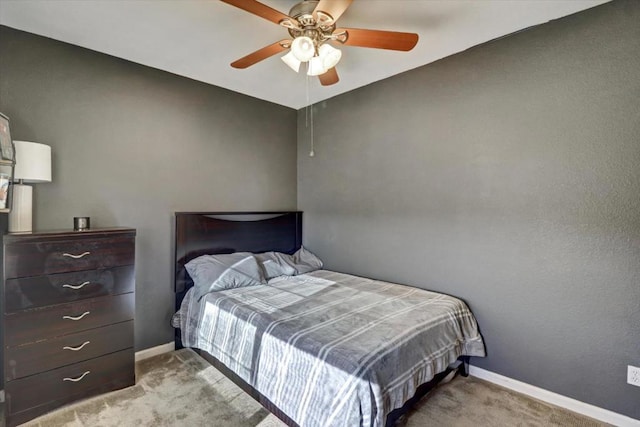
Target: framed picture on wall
6	147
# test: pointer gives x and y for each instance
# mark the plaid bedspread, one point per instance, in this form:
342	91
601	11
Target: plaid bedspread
331	349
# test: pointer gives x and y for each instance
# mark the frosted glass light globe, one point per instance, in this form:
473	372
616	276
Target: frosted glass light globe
330	55
291	61
303	48
316	67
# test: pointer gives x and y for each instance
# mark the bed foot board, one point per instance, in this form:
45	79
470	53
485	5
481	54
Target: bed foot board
464	366
177	339
422	390
460	366
235	378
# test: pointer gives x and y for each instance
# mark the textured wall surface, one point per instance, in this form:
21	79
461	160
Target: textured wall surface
131	145
507	175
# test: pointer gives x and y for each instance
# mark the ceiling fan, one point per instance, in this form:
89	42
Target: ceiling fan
312	25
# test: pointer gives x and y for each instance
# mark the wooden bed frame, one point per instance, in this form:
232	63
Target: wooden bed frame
200	233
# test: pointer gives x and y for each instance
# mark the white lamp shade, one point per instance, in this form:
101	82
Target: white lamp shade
316	67
291	61
330	55
303	48
33	162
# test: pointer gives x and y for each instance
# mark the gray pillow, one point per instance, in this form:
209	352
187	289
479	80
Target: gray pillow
277	264
212	273
306	261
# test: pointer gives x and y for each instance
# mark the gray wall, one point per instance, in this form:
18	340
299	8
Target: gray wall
131	145
507	175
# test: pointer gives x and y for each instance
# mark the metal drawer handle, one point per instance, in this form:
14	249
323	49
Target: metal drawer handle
75	380
76	317
80	286
76	256
78	348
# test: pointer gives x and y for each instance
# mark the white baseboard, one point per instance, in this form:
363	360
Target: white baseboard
556	399
154	351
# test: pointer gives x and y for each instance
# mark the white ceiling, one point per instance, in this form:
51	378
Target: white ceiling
200	38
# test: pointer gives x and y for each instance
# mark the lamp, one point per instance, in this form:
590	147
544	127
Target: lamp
303	49
33	164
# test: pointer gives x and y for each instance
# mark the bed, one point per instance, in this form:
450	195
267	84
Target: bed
321	348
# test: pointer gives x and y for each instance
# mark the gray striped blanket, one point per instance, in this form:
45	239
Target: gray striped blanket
331	349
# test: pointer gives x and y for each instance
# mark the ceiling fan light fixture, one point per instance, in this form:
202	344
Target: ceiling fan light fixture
314	35
330	55
303	48
291	60
316	66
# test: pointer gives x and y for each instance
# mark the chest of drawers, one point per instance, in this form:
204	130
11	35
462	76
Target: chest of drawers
67	318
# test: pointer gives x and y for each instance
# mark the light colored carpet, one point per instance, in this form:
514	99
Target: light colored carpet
172	389
471	401
180	388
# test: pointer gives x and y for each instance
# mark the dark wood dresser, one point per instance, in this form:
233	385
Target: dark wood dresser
68	310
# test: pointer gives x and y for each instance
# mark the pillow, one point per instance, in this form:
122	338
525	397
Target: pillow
276	264
219	272
306	261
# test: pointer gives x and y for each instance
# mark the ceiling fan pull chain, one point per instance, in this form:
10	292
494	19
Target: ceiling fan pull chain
309	107
311	153
306	109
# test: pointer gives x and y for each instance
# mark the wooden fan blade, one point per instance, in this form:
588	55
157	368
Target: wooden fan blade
259	9
335	8
329	78
377	39
261	54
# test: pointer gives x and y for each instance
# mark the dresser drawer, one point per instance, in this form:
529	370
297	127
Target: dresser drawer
61	256
38	291
69	382
42	356
37	324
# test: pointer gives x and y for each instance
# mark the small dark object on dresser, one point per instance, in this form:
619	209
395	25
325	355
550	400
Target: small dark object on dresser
81	223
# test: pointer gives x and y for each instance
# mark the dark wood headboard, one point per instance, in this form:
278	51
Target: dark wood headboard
200	233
